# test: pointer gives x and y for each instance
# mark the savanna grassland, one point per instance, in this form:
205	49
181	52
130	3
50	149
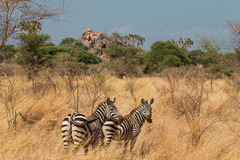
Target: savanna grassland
193	117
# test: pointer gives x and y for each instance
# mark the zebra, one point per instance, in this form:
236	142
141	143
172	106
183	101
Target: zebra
130	128
88	130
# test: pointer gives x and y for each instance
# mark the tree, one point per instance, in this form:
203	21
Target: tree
183	44
234	27
31	27
7	52
124	61
31	55
134	38
164	54
209	43
15	14
116	36
67	41
129	40
197	57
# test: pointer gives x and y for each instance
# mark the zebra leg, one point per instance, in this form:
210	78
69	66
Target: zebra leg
94	146
66	138
66	131
85	149
132	143
108	141
101	141
109	130
78	136
125	146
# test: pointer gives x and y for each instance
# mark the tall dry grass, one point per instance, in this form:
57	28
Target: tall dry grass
39	116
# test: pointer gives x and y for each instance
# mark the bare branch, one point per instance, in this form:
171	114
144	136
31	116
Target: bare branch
15	13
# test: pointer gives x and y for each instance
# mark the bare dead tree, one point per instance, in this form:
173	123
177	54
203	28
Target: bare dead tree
15	13
131	87
95	87
187	100
8	97
234	27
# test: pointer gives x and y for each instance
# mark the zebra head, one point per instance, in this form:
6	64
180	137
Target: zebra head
147	110
112	111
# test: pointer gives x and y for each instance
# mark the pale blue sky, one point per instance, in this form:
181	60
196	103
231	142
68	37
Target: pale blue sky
153	19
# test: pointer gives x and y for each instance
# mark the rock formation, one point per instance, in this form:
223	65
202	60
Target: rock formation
96	40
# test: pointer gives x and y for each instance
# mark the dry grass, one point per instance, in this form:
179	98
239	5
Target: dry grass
38	131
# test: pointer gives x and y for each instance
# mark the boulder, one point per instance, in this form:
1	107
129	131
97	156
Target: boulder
95	40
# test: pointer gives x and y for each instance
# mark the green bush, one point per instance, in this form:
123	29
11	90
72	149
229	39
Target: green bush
78	45
1	58
68	61
67	41
171	61
53	50
197	57
31	54
8	51
214	63
156	58
86	57
48	44
124	60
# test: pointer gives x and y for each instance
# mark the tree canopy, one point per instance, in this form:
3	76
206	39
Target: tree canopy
164	54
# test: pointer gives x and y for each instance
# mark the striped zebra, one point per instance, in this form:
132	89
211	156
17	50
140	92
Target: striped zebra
88	130
131	126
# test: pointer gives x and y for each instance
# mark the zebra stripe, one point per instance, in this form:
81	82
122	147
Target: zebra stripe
66	130
88	130
131	126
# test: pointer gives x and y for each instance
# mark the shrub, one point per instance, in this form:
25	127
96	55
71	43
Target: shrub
8	51
197	57
1	58
31	54
171	61
78	45
67	60
53	50
156	59
86	57
124	60
67	41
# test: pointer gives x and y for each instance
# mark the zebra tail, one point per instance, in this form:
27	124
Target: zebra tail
83	123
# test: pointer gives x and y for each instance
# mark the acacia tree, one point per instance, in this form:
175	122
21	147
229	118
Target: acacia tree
134	38
16	13
31	27
131	39
187	42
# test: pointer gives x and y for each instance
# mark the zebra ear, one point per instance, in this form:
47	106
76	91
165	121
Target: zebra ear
114	99
108	100
143	101
151	101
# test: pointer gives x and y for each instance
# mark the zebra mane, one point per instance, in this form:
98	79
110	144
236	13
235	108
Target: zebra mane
134	110
95	115
100	105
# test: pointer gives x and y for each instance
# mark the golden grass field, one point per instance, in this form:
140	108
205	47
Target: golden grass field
38	130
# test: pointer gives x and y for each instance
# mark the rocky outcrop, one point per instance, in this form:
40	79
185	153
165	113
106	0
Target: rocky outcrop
96	40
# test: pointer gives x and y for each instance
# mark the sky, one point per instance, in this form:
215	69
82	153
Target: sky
154	20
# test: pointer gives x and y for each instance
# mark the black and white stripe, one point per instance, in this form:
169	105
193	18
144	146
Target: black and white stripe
131	126
88	130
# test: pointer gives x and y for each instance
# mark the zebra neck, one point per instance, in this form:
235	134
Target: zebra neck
139	118
99	114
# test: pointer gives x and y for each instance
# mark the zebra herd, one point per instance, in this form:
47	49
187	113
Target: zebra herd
107	122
